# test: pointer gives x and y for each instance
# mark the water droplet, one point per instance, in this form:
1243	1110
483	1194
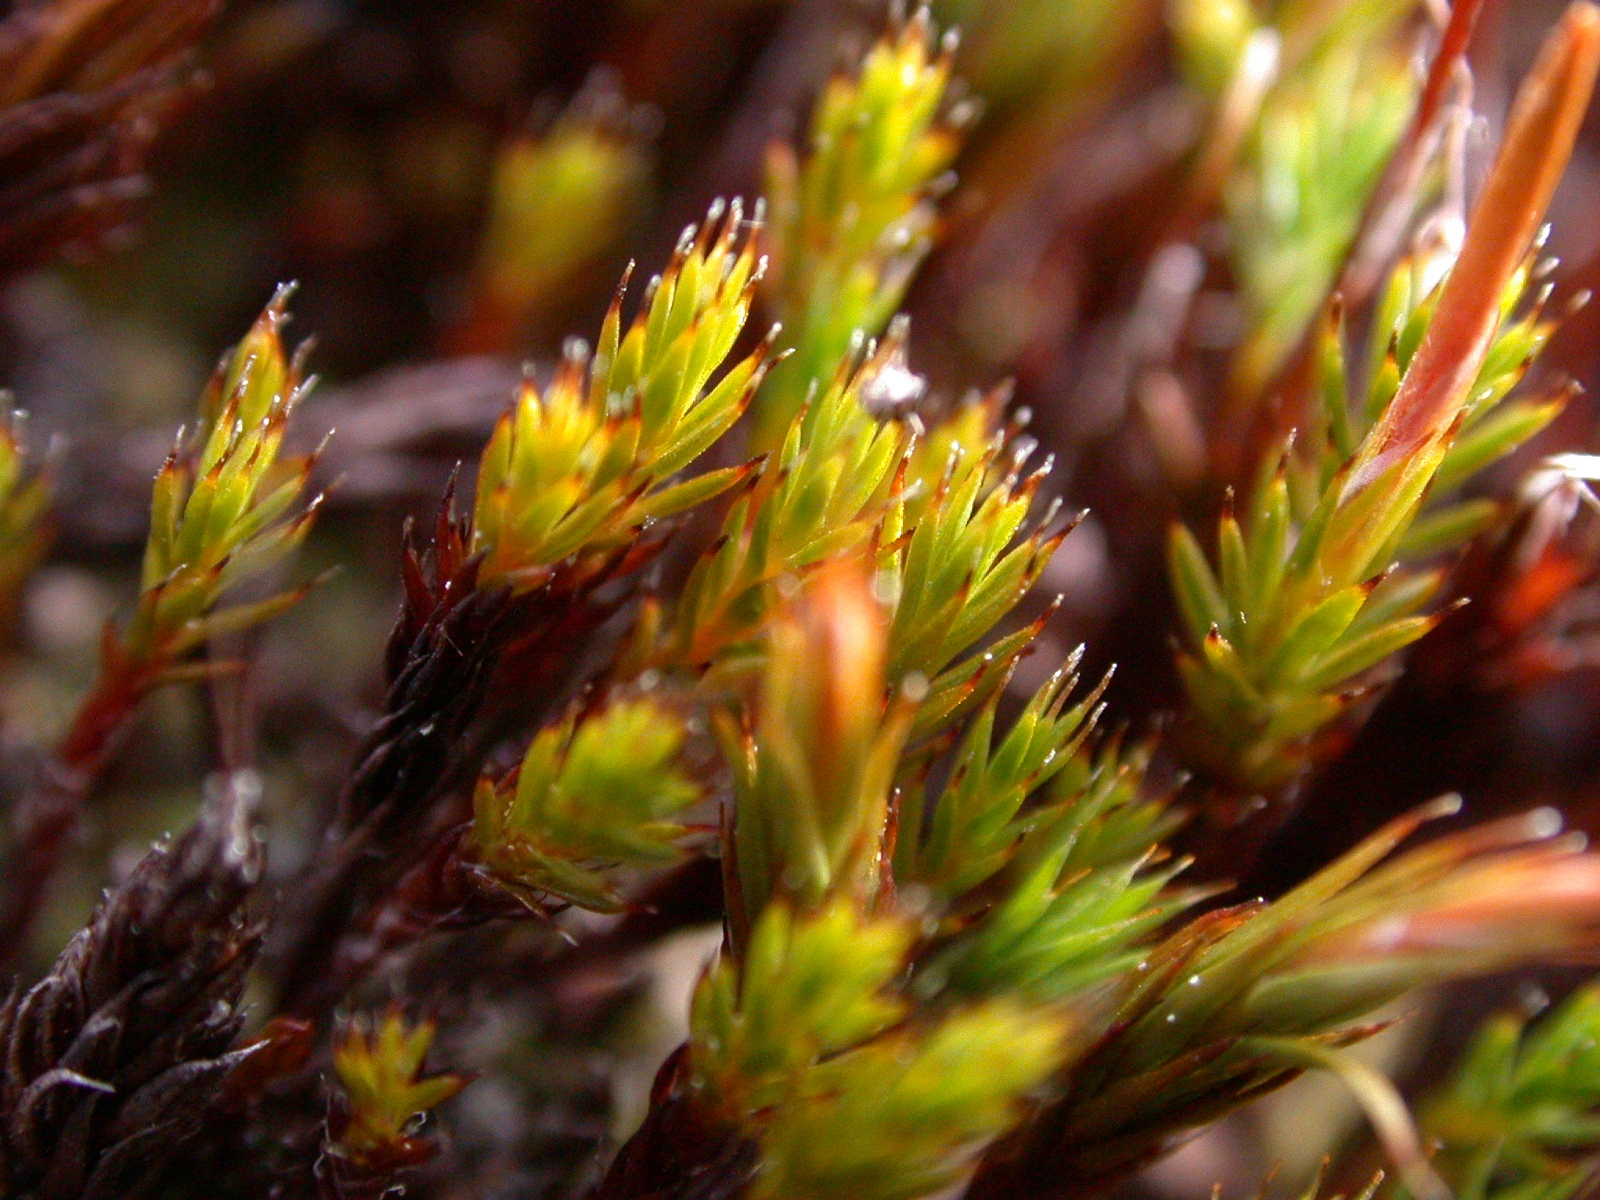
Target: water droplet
1172	1018
1194	981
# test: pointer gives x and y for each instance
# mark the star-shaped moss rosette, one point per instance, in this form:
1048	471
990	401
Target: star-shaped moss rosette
374	1128
594	793
581	465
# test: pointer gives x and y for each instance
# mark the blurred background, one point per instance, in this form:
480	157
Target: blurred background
456	185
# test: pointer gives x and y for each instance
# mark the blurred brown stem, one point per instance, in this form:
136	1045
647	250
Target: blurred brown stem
47	815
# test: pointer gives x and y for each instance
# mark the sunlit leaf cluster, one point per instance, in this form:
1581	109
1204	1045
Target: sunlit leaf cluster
1085	881
802	1046
824	493
594	792
755	619
1240	999
583	464
851	220
1324	572
379	1068
220	513
1520	1118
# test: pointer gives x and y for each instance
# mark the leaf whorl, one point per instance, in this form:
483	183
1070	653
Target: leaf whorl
111	1061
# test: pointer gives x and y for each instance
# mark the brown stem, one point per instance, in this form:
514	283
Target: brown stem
398	796
47	816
